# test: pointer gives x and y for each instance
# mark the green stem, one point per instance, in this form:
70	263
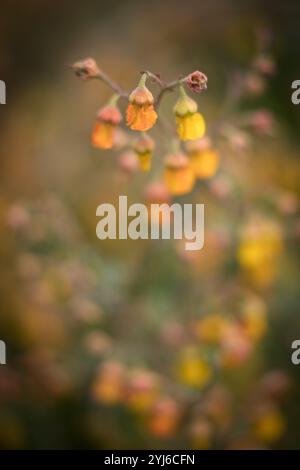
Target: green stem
182	91
143	79
113	100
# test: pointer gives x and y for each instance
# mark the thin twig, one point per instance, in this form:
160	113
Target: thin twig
164	87
112	84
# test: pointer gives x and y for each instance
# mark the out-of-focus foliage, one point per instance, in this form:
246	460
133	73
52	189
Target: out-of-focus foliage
141	344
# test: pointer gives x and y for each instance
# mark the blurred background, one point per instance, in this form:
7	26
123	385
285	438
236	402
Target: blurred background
140	344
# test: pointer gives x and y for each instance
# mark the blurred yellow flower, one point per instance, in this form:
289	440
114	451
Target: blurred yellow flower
202	434
270	426
260	246
255	324
193	370
211	328
179	177
204	160
143	146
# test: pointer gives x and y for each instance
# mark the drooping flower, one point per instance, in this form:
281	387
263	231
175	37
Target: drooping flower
140	113
204	160
108	117
179	177
190	123
143	146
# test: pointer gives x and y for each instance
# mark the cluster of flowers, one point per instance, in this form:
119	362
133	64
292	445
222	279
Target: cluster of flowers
182	167
213	346
209	361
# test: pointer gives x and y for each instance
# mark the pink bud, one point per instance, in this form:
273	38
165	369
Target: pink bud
196	81
86	69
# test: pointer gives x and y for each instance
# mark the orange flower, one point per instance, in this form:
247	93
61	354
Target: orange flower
143	146
179	177
140	113
236	347
164	417
108	118
211	328
204	160
108	385
142	390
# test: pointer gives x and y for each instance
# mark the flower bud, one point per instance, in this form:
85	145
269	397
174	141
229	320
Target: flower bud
86	69
255	84
196	81
265	65
262	122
